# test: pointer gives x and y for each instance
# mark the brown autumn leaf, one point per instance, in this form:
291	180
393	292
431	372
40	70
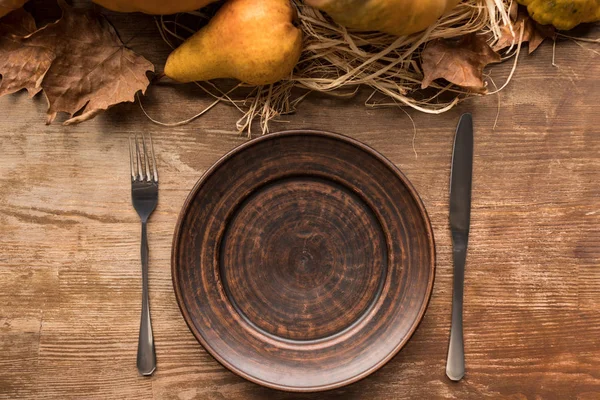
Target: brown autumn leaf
20	75
7	6
78	61
460	62
17	23
533	33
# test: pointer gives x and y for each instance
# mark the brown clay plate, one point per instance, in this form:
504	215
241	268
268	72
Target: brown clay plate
303	260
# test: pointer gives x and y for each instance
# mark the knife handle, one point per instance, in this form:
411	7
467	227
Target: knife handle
455	364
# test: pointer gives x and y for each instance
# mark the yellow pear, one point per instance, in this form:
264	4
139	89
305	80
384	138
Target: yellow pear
396	17
254	41
154	6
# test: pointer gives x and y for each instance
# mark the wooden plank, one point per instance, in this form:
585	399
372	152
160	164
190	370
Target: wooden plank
69	264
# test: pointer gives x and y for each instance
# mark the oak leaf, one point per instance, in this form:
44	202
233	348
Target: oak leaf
78	61
460	62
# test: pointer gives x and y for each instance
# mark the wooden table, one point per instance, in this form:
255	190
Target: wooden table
70	288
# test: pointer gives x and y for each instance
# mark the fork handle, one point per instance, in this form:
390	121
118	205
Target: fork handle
146	355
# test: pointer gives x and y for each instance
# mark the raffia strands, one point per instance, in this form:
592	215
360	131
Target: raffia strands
338	61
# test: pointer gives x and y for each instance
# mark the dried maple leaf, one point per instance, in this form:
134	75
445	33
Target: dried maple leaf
460	62
78	61
16	23
533	33
17	73
7	6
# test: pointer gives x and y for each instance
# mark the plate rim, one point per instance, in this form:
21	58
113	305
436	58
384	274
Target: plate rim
271	136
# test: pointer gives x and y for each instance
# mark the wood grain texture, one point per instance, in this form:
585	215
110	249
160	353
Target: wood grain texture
303	260
70	287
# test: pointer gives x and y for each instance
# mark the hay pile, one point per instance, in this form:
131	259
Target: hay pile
336	60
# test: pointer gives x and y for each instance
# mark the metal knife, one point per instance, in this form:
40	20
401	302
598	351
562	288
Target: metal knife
460	216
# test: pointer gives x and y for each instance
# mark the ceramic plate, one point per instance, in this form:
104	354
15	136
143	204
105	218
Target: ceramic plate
303	260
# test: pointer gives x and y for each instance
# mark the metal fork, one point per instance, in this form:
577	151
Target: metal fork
144	195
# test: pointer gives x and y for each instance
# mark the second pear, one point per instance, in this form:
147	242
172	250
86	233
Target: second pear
254	41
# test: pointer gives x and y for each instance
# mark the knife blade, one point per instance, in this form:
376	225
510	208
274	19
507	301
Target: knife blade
461	177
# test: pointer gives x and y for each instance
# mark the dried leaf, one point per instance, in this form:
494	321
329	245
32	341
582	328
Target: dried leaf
16	68
533	33
78	61
17	23
460	62
7	6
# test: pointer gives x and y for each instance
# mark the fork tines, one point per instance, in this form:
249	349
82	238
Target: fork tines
141	160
